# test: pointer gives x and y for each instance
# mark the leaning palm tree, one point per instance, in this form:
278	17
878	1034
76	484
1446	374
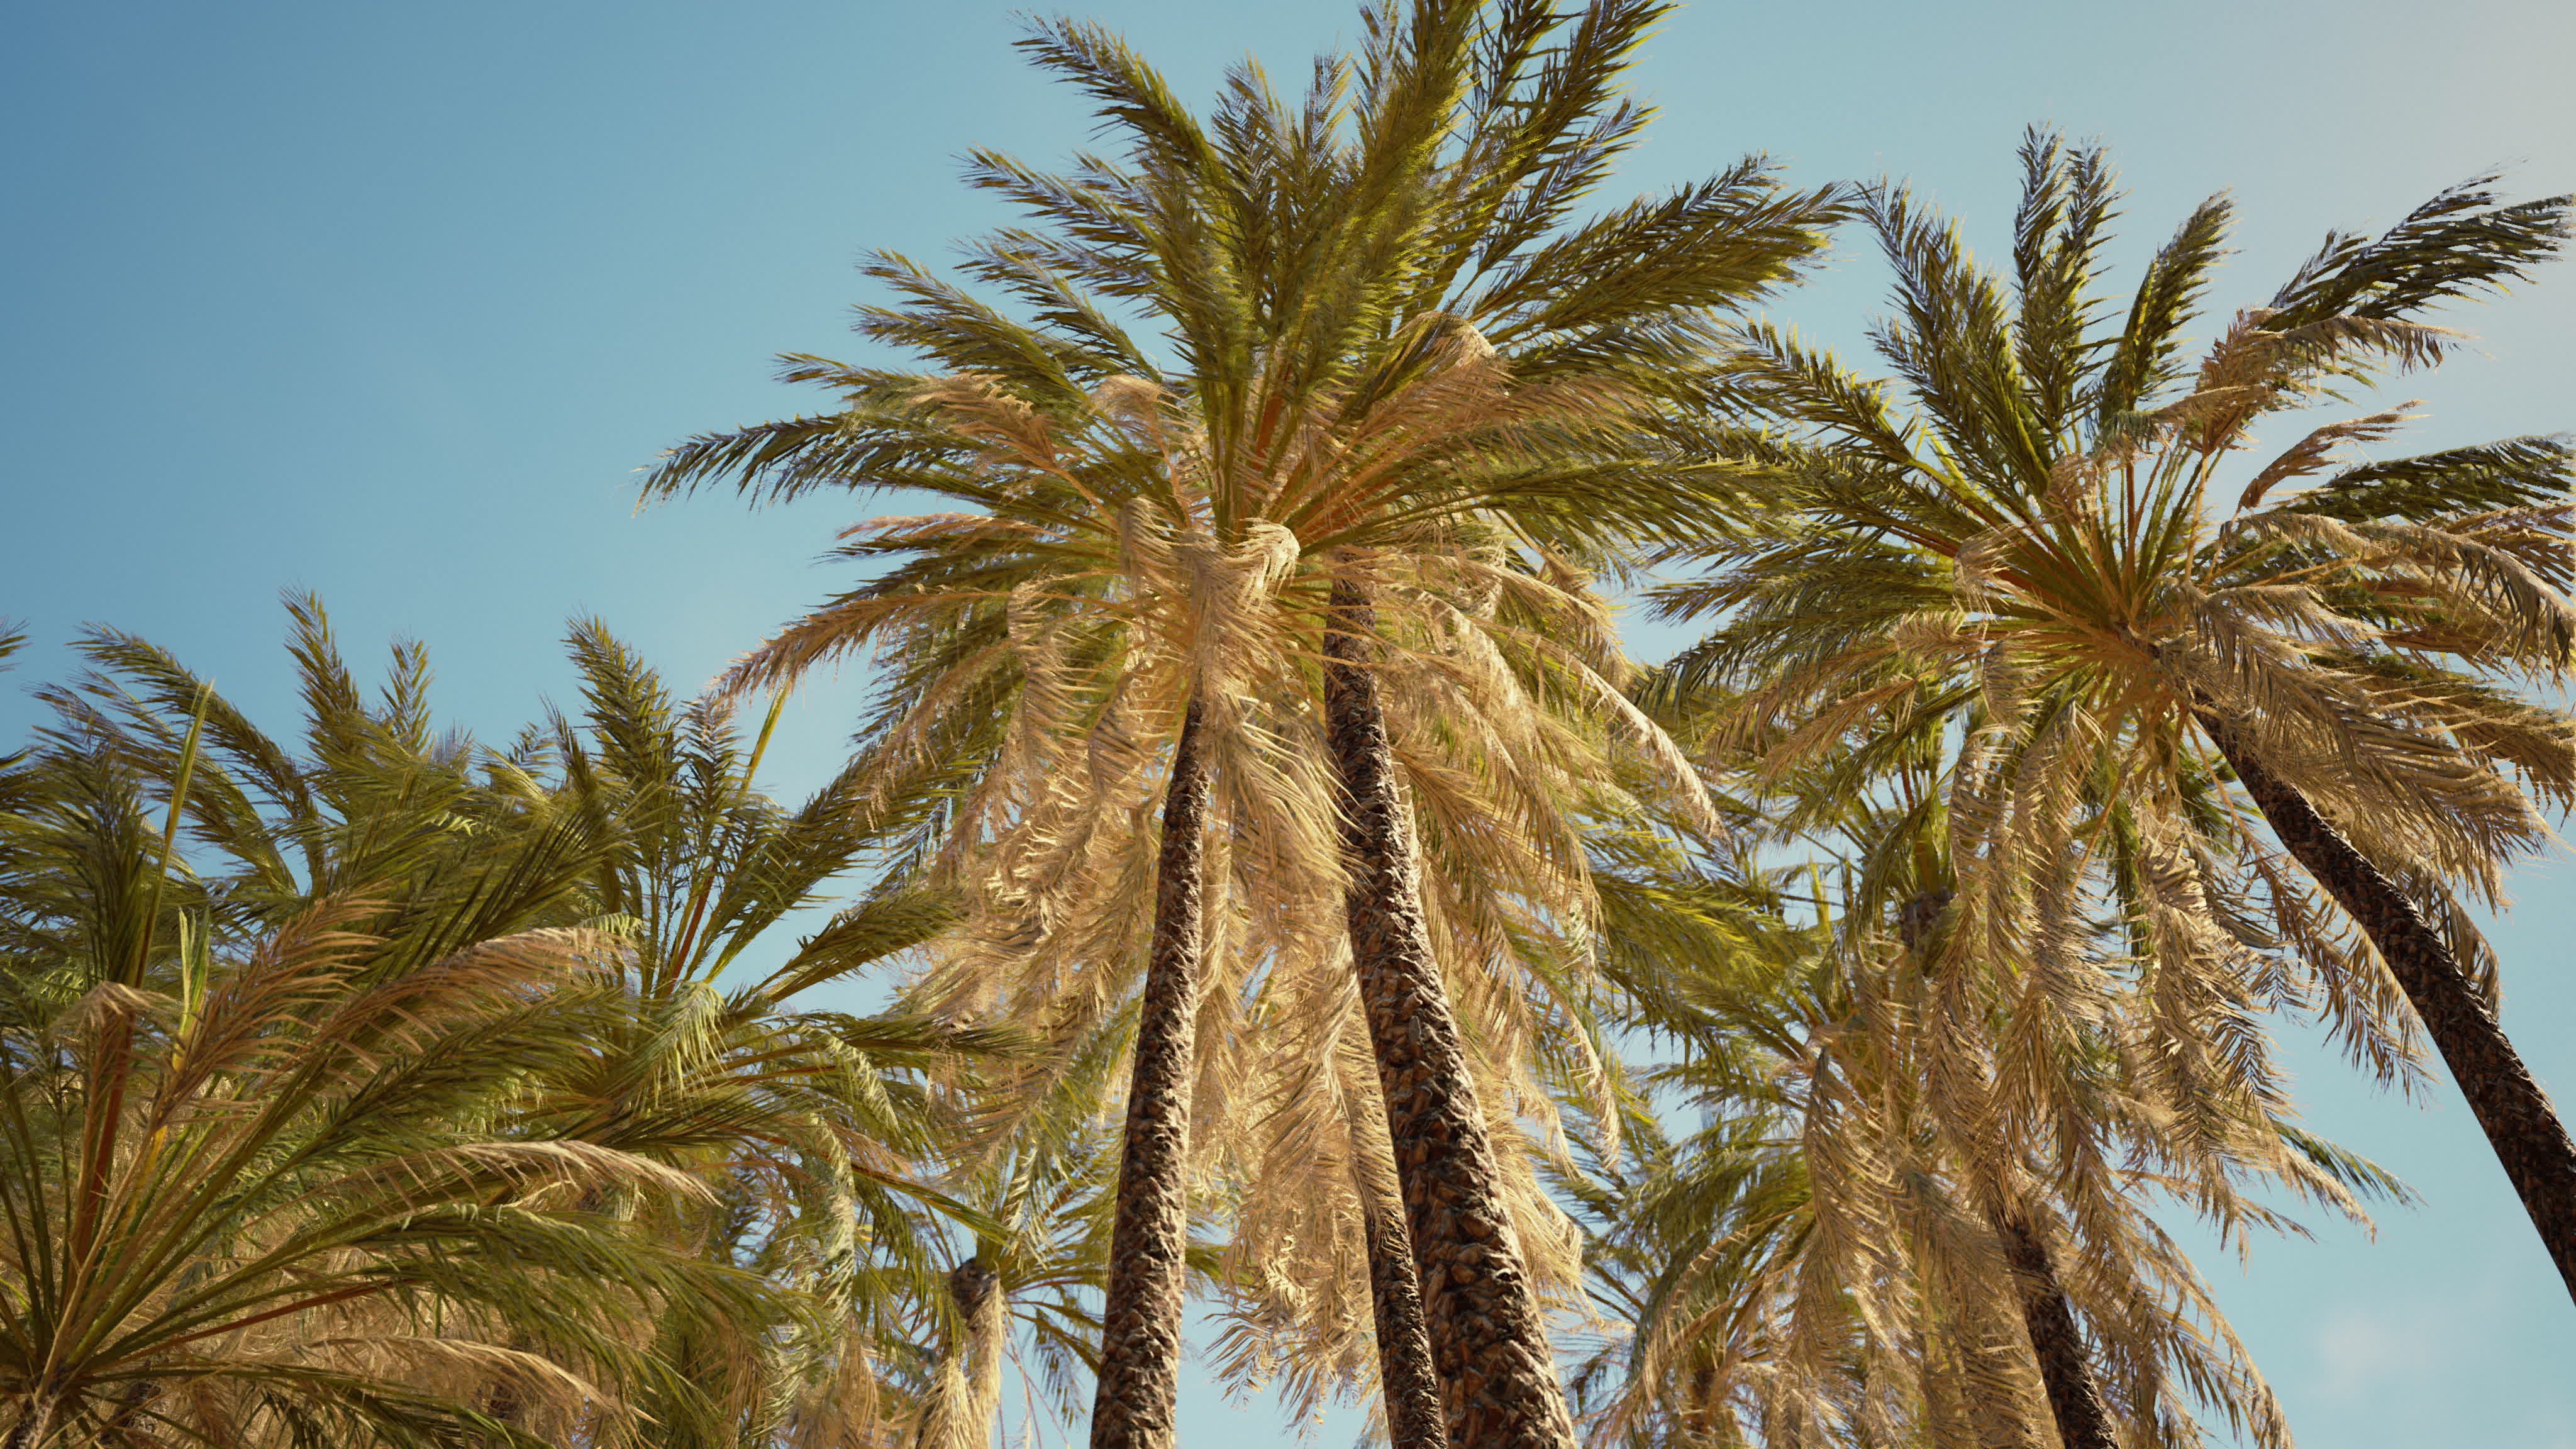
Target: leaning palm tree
2061	553
1319	268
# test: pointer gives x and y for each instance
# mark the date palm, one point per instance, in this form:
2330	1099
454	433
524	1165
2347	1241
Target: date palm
1080	610
1822	1262
1312	264
1450	273
1019	1291
372	802
260	1191
639	821
807	1124
1319	1266
2144	637
1080	633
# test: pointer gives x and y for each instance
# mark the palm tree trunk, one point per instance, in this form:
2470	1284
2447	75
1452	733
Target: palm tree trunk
2074	1399
1488	1338
1140	1341
34	1423
2520	1123
1408	1384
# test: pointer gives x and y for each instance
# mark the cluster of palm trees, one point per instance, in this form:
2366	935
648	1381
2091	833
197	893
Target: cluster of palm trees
1251	730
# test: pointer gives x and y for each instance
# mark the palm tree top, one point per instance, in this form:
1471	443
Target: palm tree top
2065	511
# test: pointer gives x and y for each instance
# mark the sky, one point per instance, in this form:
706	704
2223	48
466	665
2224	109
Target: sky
389	302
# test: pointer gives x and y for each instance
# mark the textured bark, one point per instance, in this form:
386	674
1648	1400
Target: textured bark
34	1423
1488	1337
1408	1383
2074	1399
1140	1341
2520	1123
970	1287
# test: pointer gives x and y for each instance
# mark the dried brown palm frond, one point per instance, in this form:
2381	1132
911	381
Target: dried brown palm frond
1844	1253
1338	279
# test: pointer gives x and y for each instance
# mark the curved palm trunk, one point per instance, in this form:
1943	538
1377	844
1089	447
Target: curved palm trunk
1408	1383
1140	1340
1487	1336
2074	1399
2520	1123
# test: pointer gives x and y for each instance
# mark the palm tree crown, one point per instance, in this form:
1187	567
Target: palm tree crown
2061	553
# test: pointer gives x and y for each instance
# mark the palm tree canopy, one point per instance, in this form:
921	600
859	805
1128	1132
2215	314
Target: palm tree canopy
2063	548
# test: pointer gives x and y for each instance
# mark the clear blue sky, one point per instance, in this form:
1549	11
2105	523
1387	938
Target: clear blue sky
388	301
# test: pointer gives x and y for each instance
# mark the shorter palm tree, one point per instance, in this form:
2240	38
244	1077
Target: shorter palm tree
1867	1237
281	1207
638	822
1032	1226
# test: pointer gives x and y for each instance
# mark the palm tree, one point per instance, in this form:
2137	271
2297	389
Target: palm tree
2050	554
641	824
1314	265
1017	1295
958	1412
1409	315
1053	638
1090	554
262	1191
805	1124
1824	1260
374	803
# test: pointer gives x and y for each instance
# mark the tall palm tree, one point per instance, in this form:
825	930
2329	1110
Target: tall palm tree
1312	264
1055	638
1089	551
2061	552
